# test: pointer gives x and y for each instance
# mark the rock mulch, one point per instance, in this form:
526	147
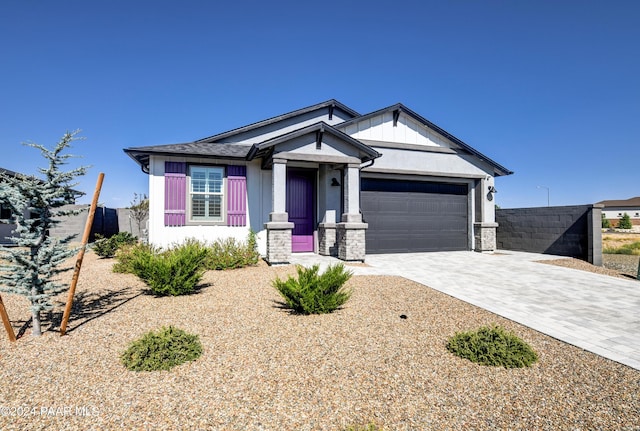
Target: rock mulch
264	368
615	265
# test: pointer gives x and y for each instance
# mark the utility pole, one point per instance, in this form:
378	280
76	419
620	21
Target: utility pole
545	187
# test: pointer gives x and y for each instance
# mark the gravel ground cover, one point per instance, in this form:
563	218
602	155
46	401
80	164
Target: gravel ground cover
264	368
615	265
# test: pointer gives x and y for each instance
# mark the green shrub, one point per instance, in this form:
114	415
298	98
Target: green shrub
625	222
162	350
176	271
127	254
311	293
107	247
606	224
492	346
231	254
633	248
368	427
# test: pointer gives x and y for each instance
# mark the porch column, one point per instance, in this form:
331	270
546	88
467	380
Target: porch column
352	194
351	230
278	228
484	227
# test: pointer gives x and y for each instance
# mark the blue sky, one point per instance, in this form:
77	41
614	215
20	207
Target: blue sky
549	89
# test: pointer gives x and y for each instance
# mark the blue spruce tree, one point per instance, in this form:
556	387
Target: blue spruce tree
32	266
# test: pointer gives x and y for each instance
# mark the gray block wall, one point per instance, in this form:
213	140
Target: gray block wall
573	231
106	221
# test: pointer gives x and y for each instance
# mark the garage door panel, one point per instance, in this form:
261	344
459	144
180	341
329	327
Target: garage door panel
408	217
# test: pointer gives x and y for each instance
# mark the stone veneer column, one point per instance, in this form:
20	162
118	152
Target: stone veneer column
350	231
351	240
327	239
278	241
278	228
485	236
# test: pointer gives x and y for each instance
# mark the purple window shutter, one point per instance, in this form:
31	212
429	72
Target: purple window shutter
236	195
175	189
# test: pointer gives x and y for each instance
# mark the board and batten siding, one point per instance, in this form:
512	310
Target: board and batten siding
407	131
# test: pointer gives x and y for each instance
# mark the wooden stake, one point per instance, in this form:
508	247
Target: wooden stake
7	323
85	240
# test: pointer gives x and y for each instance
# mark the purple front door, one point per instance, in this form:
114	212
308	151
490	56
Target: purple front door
300	206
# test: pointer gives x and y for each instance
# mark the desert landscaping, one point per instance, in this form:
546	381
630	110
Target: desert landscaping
264	368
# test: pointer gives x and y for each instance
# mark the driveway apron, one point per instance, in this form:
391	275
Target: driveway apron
596	312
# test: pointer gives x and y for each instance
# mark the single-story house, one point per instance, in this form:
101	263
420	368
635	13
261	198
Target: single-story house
613	210
325	179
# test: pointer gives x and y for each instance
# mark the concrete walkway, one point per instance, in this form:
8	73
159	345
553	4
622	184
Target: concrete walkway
598	313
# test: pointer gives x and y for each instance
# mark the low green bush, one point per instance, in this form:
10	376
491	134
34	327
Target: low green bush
176	271
107	247
126	255
492	346
633	248
162	350
311	293
232	254
368	427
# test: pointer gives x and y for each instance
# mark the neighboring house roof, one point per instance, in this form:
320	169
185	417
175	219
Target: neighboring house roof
263	148
627	203
399	107
10	173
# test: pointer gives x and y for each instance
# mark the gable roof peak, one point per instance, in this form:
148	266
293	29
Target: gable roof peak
331	103
260	149
400	108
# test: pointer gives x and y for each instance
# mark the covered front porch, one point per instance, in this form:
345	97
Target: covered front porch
315	191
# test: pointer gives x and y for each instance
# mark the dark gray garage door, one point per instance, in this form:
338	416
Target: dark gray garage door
414	216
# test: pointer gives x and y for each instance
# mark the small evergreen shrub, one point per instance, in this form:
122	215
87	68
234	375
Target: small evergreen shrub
606	224
107	247
176	271
311	293
492	346
625	222
162	350
231	254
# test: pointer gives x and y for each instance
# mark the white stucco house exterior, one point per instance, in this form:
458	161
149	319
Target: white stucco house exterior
325	179
613	210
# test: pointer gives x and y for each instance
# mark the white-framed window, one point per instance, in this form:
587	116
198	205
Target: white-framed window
206	193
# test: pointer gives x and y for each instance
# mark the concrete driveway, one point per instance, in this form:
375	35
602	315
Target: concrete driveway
596	312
